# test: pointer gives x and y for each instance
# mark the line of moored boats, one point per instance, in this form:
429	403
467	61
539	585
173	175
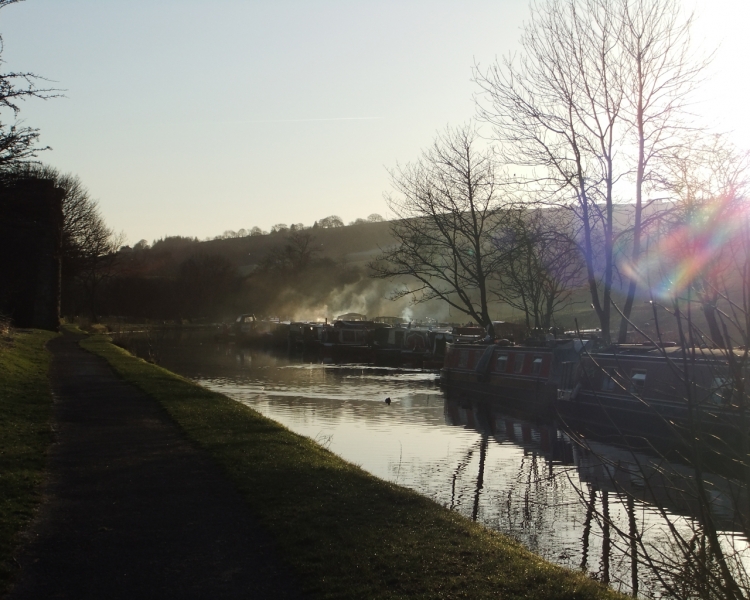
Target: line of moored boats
643	393
383	341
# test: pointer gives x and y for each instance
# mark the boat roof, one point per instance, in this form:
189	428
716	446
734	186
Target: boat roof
671	350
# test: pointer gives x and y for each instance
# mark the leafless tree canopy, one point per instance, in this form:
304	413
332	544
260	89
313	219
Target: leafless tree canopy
539	264
588	109
18	143
446	206
294	256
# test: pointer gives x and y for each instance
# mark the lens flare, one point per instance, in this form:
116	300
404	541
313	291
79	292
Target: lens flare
691	249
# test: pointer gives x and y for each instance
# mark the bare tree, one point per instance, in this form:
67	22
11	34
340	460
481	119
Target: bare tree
660	76
558	109
294	256
596	78
709	180
699	265
539	264
446	206
18	143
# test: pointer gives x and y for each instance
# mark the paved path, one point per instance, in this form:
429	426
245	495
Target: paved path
133	510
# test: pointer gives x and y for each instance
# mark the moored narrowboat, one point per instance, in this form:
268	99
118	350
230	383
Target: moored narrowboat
416	347
524	378
665	396
348	341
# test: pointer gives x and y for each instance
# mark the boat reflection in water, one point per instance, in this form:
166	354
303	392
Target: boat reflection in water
596	507
633	513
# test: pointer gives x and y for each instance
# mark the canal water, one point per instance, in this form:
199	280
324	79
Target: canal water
627	520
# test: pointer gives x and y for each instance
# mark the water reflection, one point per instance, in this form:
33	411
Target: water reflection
643	524
579	503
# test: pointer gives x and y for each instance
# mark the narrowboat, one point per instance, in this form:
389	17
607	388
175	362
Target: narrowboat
669	397
523	378
348	341
306	337
416	347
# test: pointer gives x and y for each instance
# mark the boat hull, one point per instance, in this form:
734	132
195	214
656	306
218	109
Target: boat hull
516	377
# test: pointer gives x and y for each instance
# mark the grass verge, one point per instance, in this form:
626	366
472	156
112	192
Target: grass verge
25	436
346	533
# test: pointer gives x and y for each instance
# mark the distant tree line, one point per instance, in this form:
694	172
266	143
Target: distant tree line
324	223
181	278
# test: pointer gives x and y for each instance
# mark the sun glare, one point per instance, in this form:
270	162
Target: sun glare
700	245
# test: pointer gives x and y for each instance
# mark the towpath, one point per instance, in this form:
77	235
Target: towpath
134	510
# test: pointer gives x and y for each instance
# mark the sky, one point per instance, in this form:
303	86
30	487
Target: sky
192	118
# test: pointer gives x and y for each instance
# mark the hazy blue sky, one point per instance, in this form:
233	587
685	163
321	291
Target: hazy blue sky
191	118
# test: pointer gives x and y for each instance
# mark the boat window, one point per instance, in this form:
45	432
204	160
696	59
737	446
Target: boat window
502	363
536	366
637	380
721	391
518	366
609	380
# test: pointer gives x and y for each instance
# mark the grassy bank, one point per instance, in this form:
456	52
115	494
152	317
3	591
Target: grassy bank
347	533
25	436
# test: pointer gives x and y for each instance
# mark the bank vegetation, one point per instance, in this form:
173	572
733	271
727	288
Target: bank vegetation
345	532
25	436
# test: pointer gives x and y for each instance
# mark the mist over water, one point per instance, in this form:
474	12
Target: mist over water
366	296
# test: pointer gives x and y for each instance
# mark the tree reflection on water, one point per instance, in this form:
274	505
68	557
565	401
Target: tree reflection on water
643	520
625	518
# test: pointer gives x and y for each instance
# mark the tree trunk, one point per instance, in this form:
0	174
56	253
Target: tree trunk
709	311
637	225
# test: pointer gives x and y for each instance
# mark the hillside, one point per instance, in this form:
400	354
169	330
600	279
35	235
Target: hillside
218	279
352	244
186	278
